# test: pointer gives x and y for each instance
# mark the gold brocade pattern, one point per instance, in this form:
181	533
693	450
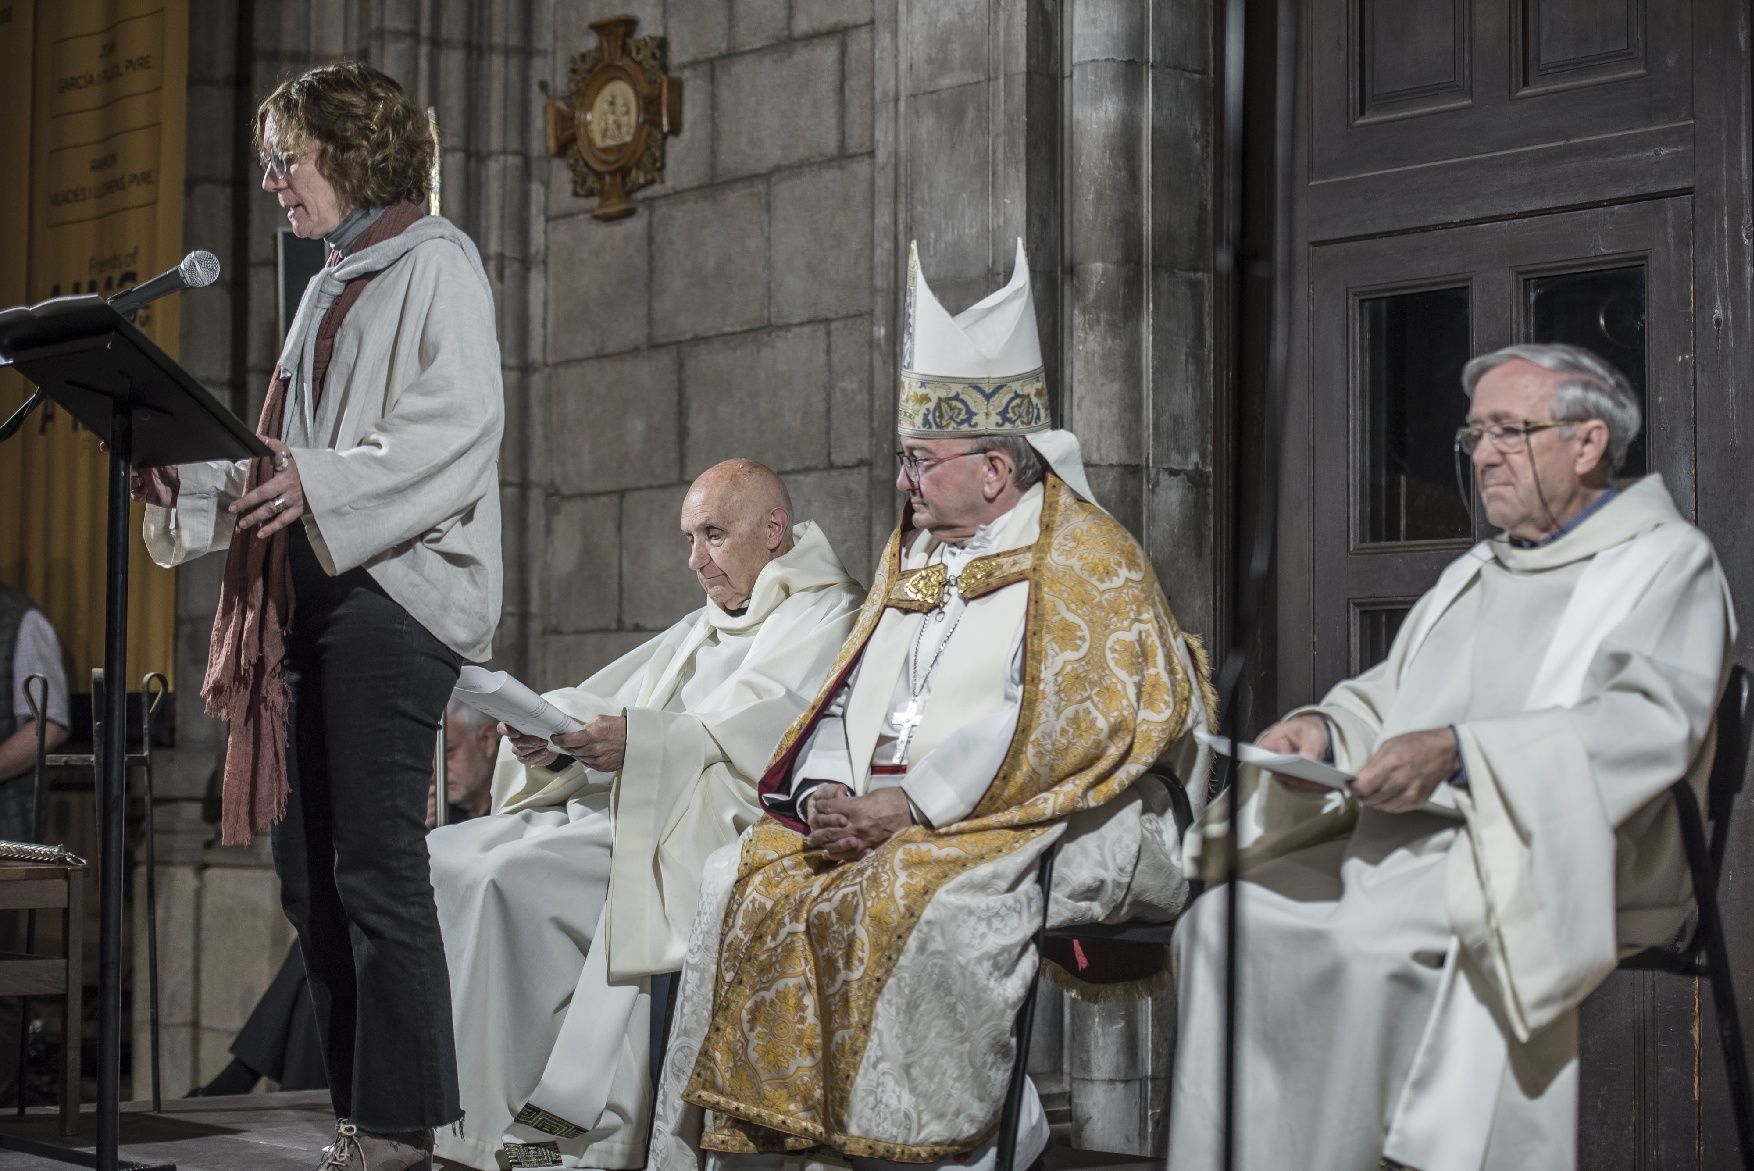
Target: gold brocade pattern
923	589
809	944
950	407
920	589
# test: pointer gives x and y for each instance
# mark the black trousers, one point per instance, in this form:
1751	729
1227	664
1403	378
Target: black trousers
368	686
280	1040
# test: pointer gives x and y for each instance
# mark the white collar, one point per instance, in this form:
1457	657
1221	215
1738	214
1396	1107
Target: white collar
984	540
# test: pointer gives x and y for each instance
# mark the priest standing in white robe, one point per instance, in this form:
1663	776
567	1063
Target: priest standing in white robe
1415	949
557	908
857	964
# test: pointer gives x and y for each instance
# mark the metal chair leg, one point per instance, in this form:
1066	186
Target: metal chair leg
665	987
1729	1031
152	692
36	695
1011	1119
23	1050
1729	1025
1005	1153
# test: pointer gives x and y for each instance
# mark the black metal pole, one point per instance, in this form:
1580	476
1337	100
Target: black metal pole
36	694
1252	568
113	750
150	697
1231	280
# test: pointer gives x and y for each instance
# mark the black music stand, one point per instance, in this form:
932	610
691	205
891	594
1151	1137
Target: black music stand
114	379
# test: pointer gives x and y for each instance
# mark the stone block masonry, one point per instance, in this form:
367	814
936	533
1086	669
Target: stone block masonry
731	316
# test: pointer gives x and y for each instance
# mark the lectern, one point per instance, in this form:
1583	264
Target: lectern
91	360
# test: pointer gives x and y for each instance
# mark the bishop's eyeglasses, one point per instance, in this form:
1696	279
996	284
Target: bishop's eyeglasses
913	467
1508	438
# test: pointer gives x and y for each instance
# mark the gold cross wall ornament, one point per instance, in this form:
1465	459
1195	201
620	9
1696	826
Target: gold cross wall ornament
622	106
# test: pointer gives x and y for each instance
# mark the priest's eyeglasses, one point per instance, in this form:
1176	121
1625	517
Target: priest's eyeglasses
914	468
1508	438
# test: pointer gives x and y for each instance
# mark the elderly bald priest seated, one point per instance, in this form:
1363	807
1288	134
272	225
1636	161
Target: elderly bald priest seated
857	966
1507	834
556	908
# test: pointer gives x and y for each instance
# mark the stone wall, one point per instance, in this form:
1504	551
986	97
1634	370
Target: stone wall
731	316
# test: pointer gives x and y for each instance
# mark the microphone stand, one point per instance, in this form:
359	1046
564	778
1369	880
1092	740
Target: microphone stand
1253	571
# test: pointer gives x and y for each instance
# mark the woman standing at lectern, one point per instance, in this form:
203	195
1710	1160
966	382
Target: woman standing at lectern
362	569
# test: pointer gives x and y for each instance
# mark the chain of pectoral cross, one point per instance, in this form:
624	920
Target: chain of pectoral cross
908	720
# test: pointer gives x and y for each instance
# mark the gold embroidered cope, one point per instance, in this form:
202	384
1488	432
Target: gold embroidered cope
808	943
923	589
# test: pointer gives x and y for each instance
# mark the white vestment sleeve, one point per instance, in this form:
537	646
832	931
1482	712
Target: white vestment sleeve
199	523
825	757
516	787
949	781
1548	893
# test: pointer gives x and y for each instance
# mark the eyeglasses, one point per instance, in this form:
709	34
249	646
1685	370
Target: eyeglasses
1508	438
915	468
277	161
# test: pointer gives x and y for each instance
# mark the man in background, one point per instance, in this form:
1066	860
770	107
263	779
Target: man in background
471	748
28	647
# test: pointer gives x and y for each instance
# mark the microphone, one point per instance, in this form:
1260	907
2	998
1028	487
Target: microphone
198	270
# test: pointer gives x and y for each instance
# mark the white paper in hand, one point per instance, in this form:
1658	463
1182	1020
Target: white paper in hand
502	697
1284	763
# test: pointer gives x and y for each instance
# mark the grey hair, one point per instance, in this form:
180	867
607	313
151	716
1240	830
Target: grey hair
1588	388
1026	464
461	715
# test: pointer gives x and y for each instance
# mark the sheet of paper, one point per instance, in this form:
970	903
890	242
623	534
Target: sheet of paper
504	698
1284	763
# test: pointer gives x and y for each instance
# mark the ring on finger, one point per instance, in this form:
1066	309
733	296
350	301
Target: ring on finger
279	504
283	461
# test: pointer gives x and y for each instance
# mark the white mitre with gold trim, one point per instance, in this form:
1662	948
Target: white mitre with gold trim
980	372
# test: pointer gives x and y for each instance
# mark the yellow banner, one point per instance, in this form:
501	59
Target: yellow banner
93	96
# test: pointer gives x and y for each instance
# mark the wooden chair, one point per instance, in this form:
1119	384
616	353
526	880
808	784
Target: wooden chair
1704	955
32	886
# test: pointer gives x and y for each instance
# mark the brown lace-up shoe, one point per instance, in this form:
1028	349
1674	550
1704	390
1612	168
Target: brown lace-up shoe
355	1150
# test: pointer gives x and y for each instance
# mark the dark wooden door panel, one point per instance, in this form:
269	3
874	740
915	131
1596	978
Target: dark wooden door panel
1413	57
1558	44
1410	83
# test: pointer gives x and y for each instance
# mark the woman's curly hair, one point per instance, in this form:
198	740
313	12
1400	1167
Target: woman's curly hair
374	145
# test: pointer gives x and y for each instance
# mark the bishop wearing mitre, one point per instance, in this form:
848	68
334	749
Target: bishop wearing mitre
858	959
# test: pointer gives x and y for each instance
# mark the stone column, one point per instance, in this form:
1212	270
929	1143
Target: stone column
1137	323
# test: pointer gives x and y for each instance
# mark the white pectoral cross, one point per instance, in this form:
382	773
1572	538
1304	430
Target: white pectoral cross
907	721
